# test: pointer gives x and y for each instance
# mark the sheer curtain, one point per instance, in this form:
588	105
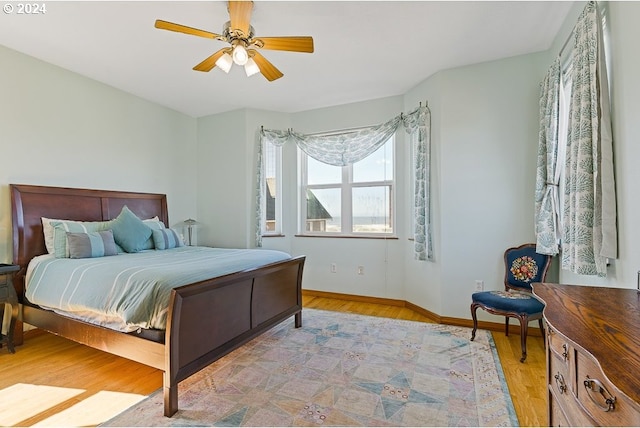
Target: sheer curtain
589	230
348	147
547	202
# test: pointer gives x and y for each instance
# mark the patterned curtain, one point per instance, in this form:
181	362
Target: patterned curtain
547	203
589	230
345	148
417	124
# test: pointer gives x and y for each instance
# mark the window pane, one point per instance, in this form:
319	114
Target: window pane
270	159
323	210
372	209
321	173
378	166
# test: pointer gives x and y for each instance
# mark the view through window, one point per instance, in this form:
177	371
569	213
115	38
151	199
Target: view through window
355	199
272	211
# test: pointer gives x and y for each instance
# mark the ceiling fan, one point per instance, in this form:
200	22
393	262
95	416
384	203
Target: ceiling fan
244	45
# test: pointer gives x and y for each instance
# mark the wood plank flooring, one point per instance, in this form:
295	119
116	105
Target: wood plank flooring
45	359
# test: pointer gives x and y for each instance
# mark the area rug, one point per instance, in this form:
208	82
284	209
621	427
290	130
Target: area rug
344	369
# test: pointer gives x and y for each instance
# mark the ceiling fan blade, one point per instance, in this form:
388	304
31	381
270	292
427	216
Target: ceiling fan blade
267	69
165	25
240	14
209	63
293	44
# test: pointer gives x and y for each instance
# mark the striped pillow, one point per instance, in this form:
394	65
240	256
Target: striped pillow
92	244
165	239
62	227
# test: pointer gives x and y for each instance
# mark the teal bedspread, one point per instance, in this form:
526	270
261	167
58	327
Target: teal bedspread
131	291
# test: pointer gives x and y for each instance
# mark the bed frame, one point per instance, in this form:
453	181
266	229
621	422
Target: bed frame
206	320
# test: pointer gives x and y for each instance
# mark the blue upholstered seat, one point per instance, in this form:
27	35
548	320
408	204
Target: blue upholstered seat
512	301
523	266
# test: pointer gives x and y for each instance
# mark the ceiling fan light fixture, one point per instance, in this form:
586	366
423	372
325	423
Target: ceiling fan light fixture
251	67
240	55
242	46
225	62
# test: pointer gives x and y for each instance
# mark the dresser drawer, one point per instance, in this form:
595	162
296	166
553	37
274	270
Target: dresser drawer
558	418
559	375
597	395
571	413
558	345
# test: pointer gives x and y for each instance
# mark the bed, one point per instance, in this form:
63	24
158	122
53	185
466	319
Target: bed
205	319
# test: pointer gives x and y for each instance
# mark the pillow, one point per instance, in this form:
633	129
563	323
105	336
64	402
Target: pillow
167	238
92	244
129	231
61	227
155	224
47	231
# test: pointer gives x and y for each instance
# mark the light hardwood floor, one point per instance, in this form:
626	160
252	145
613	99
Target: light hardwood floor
45	359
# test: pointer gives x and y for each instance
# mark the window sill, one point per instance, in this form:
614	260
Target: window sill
273	236
347	236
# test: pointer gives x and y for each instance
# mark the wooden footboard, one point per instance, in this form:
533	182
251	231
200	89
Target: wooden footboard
209	319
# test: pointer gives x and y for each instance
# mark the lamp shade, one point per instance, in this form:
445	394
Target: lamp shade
251	67
225	62
240	55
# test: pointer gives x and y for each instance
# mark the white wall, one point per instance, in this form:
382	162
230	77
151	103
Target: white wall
61	129
484	147
227	159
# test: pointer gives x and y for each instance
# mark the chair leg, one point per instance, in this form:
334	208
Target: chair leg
506	326
544	337
474	307
524	327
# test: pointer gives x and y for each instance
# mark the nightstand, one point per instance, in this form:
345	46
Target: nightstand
8	295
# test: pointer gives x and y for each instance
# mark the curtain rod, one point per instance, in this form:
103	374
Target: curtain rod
339	131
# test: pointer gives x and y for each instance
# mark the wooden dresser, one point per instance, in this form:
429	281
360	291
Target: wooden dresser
593	354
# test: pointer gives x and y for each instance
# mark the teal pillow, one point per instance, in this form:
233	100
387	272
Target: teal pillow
92	244
61	227
129	231
165	239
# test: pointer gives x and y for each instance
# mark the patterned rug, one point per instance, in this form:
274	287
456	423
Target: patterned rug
344	370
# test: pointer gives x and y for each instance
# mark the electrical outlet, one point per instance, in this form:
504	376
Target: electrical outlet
360	270
479	285
334	268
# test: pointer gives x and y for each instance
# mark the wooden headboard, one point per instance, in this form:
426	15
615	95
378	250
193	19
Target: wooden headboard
30	203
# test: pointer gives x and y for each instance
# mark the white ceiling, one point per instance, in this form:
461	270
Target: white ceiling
363	49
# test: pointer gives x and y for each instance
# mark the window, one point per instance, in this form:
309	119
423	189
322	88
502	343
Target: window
353	200
272	200
563	133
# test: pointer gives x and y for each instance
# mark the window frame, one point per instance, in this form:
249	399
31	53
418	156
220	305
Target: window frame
346	187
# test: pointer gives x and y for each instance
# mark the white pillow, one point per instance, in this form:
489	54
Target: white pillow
47	231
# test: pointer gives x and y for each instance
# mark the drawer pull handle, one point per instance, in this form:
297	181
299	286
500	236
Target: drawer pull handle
560	383
565	352
596	386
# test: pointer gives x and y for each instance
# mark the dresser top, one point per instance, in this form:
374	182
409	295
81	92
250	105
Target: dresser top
605	322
